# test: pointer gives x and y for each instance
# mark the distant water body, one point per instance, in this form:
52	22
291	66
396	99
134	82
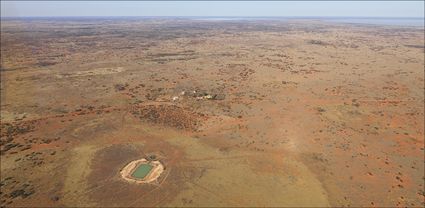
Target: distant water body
415	22
410	22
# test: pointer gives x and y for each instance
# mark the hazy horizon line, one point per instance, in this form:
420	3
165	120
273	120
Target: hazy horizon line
157	16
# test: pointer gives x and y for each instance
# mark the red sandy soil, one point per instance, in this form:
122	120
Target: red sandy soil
302	113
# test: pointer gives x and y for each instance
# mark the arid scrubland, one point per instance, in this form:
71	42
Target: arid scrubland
240	113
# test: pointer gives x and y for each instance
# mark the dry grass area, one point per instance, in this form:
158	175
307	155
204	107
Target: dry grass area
240	113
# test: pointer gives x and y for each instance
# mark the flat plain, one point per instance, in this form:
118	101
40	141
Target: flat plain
239	112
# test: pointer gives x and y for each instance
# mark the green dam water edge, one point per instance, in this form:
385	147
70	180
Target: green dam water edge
142	171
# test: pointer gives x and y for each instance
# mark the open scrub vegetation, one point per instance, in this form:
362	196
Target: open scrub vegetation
238	113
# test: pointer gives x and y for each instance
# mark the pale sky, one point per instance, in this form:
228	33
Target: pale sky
213	8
